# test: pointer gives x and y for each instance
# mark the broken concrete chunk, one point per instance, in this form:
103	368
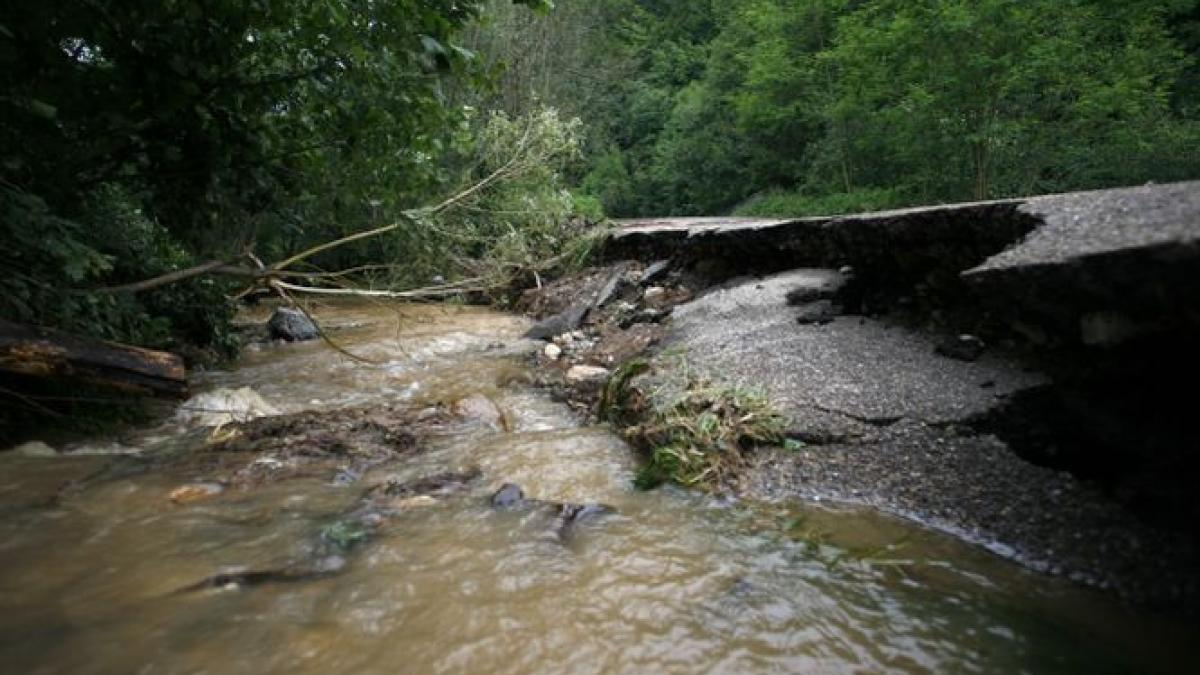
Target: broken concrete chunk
610	287
654	270
563	322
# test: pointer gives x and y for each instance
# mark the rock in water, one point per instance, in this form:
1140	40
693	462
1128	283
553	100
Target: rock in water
509	494
481	409
562	516
222	406
291	325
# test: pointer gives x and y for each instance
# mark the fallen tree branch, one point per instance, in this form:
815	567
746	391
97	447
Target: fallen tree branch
270	275
431	292
218	266
44	353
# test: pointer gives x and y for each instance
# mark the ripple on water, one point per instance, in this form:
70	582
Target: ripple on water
677	582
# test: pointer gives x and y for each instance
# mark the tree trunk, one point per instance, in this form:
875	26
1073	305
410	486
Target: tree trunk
37	352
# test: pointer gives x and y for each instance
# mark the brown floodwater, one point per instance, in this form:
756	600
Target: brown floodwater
676	582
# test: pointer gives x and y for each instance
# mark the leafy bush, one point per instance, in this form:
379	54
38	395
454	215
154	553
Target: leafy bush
52	265
522	219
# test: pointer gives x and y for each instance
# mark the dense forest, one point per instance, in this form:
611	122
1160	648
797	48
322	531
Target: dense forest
802	106
143	138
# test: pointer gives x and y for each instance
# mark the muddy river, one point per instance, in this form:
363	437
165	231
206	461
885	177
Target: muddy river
93	552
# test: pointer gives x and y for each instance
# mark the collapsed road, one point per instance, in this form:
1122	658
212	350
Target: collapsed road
1015	372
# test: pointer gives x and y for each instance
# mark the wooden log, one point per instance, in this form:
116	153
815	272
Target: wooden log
39	352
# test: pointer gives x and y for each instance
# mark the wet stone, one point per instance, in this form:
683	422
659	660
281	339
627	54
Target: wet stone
508	495
479	408
291	325
654	270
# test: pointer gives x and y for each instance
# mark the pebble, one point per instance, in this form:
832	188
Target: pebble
553	351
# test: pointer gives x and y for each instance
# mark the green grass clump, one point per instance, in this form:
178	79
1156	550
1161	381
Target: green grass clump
702	439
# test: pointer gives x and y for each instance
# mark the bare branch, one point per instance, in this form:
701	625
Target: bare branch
219	266
431	292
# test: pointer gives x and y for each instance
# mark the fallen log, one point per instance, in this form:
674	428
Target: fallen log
45	353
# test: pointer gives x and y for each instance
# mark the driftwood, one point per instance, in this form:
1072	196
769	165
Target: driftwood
36	352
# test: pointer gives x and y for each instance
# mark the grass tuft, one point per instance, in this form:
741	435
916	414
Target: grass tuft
702	438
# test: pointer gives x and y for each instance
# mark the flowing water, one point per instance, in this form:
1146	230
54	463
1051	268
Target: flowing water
676	582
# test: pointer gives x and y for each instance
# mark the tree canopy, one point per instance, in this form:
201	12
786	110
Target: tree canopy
140	136
827	105
143	137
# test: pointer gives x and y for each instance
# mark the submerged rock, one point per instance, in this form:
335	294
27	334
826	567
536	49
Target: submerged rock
509	494
291	325
563	516
437	485
479	408
233	578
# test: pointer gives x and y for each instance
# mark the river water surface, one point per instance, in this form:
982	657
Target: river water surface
676	582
